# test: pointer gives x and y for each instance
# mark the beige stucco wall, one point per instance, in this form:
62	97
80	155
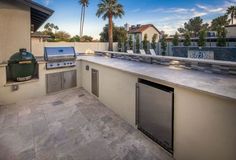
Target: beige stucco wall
116	90
204	125
231	31
14	28
80	47
33	89
150	32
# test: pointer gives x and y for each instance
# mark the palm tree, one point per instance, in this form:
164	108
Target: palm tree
84	4
231	11
109	9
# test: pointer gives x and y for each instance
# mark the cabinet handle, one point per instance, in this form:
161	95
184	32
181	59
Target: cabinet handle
137	104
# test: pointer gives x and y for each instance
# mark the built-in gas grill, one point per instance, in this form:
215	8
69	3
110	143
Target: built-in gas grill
59	57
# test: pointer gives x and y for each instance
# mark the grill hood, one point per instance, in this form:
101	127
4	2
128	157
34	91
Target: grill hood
59	53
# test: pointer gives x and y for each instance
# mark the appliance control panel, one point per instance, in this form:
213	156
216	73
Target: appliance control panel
64	64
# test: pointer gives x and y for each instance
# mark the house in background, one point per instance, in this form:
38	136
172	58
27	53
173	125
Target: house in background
231	31
141	30
39	37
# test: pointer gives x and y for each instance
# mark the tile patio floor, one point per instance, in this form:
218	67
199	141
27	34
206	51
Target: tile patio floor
71	125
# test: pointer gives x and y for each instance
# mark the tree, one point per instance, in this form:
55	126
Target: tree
194	26
109	9
130	42
119	34
175	40
187	40
202	38
75	38
84	4
221	37
86	38
219	23
137	43
163	44
50	29
231	12
145	42
62	36
154	40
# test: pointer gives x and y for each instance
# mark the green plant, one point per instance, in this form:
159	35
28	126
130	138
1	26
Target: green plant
175	40
163	45
62	36
86	38
219	22
119	34
231	12
202	38
145	42
137	43
110	9
221	37
194	26
187	40
75	39
154	40
130	42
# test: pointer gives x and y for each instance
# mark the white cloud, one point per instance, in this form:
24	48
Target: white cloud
47	2
210	9
135	10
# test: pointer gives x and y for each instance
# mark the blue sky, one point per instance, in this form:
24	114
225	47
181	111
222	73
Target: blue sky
166	15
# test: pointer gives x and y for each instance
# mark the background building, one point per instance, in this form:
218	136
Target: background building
141	30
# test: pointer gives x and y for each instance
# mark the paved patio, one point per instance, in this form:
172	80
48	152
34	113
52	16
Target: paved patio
71	125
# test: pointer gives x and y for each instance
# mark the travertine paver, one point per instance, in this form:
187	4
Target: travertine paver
71	125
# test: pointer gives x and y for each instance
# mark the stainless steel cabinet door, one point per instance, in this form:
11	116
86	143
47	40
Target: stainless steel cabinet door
69	79
95	82
155	114
54	82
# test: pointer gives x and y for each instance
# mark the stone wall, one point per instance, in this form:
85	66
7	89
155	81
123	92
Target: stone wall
220	53
208	66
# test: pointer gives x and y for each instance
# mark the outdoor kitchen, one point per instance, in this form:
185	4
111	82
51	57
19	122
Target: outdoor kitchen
62	104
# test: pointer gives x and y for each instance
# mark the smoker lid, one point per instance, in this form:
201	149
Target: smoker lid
22	55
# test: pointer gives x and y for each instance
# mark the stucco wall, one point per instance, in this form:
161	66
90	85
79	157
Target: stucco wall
116	90
80	47
231	31
204	125
150	32
14	28
33	89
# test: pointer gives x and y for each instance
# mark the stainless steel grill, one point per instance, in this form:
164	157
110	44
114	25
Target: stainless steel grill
59	57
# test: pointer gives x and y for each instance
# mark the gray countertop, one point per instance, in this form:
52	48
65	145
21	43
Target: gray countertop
215	84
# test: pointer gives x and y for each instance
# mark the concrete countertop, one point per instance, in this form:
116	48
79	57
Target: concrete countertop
215	84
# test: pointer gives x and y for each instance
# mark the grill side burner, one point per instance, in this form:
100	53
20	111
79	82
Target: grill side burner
59	57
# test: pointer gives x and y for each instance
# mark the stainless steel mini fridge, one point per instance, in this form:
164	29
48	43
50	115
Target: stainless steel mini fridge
154	112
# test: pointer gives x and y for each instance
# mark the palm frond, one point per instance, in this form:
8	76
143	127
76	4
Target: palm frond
110	7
